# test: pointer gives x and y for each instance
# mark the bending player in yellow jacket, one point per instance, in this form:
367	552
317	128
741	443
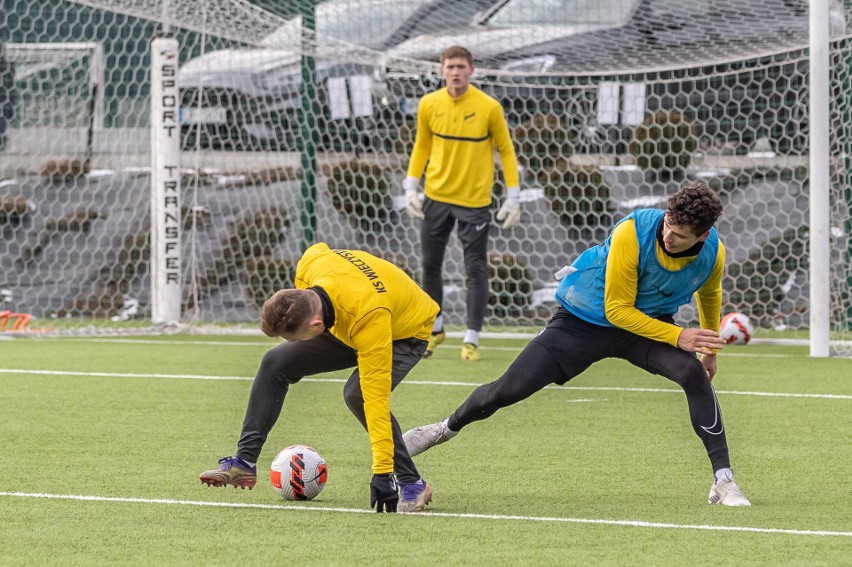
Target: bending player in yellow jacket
349	309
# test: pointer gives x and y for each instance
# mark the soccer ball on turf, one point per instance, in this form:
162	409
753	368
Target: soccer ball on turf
298	473
736	329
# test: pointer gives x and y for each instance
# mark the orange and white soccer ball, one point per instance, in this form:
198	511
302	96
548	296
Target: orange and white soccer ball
736	329
298	473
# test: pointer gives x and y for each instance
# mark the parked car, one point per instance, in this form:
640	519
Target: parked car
540	57
249	98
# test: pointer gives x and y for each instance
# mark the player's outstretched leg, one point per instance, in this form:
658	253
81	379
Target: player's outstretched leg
425	437
726	492
233	471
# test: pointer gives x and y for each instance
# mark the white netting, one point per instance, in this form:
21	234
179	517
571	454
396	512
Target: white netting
237	20
58	89
611	103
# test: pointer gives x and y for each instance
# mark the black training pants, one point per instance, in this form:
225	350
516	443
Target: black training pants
569	345
289	362
435	230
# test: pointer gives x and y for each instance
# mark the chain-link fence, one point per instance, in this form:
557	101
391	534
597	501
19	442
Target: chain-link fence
611	106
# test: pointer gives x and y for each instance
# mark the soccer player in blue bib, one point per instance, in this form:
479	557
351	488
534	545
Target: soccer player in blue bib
618	300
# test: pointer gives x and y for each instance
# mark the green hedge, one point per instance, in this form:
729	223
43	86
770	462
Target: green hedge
579	195
663	144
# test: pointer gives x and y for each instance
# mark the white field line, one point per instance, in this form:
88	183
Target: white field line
271	343
412	383
498	517
255	332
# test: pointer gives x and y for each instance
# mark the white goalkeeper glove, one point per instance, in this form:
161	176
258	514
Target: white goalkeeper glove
412	200
510	212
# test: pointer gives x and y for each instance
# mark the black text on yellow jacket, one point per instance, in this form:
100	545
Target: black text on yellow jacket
375	303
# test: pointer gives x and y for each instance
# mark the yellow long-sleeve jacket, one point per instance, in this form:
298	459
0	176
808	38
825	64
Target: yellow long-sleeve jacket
457	136
375	303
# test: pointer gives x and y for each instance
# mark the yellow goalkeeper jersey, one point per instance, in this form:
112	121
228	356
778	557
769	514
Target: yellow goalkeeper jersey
375	303
458	136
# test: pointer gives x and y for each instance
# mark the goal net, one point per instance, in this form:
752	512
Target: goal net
295	131
56	99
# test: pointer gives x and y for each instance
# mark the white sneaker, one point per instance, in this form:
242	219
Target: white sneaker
425	437
726	492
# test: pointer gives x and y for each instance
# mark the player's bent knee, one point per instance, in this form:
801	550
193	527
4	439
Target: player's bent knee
279	365
693	376
352	396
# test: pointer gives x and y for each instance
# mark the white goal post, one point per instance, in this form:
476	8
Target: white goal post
820	179
165	183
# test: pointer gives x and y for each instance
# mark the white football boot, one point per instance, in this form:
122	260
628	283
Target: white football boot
425	437
726	492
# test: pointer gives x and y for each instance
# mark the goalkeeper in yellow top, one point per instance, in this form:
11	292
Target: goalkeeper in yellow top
458	129
349	309
618	300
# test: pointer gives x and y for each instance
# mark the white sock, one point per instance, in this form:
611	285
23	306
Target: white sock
471	336
724	474
439	324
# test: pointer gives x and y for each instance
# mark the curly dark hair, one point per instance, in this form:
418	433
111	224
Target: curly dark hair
285	312
694	205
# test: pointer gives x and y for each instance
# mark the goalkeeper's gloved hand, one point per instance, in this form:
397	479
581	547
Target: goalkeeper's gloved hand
510	212
412	199
383	493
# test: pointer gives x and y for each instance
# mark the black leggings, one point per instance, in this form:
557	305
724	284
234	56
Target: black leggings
289	362
569	345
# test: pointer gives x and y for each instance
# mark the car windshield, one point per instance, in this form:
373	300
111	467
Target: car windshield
561	12
369	23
